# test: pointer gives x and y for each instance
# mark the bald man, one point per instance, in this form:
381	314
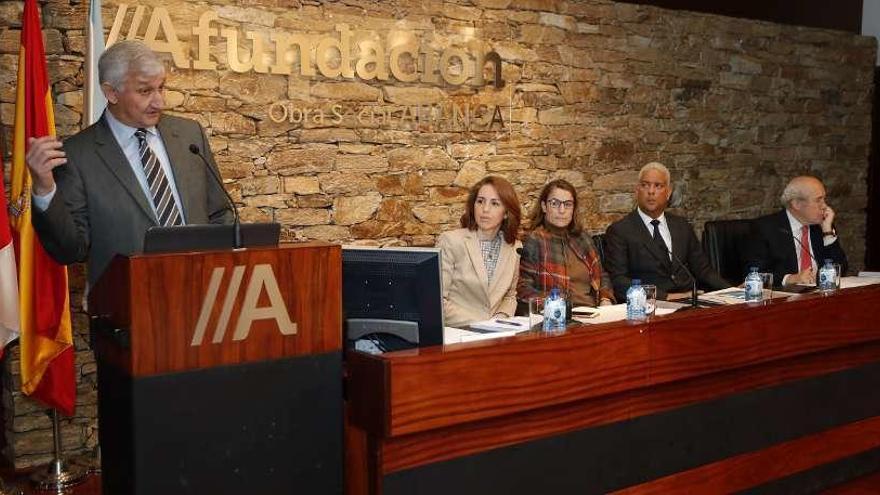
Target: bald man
794	241
652	244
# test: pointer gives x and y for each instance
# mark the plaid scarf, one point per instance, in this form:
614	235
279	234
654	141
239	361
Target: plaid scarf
542	265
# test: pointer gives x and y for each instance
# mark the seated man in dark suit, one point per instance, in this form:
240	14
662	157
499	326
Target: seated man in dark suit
791	242
638	244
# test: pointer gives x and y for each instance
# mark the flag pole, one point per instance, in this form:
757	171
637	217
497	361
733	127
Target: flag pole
58	475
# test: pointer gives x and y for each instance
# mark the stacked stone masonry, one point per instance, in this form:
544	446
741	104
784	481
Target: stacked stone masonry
593	90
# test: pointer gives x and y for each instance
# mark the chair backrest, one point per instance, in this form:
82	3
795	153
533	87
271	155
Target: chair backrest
599	242
724	242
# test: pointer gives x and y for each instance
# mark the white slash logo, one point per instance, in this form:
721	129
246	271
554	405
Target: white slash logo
262	277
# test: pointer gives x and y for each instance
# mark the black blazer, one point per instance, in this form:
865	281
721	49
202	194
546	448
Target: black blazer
771	247
631	253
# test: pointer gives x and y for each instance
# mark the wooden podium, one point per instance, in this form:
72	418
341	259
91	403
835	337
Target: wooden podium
220	372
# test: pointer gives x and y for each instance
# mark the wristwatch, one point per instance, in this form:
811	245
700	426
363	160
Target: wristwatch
832	233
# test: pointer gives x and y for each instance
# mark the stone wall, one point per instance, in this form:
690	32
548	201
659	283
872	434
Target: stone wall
594	89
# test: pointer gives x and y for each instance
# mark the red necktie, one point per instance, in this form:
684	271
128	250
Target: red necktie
806	259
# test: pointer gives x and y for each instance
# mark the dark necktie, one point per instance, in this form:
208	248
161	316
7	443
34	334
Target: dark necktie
658	239
160	188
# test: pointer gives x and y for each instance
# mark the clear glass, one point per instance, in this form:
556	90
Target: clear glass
536	312
767	281
650	299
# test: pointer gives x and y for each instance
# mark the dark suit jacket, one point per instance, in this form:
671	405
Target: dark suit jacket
631	253
771	247
99	209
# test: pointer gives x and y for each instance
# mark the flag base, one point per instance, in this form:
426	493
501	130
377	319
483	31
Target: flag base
58	475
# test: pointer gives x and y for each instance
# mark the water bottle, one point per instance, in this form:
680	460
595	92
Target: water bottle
636	300
827	277
754	286
554	312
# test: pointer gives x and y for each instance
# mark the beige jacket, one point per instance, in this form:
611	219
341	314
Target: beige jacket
467	296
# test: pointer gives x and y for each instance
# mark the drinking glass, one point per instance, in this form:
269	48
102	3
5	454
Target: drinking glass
536	312
650	299
767	282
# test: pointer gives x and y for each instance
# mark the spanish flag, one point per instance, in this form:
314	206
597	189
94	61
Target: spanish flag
9	320
44	303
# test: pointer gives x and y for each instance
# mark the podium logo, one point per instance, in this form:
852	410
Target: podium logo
262	278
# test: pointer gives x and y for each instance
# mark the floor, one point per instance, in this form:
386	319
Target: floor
19	485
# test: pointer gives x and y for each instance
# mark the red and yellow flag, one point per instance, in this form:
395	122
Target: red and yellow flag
44	304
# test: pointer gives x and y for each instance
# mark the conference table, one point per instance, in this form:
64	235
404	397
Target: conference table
777	397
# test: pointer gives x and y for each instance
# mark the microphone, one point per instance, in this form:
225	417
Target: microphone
801	243
686	271
236	222
689	274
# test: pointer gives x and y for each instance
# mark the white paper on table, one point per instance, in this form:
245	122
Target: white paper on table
452	335
730	295
608	314
511	324
860	281
737	295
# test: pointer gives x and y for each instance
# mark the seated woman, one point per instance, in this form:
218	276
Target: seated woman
559	253
480	260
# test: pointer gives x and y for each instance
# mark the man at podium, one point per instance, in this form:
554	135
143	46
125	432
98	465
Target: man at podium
96	194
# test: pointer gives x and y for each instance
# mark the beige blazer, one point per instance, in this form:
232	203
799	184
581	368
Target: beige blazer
467	295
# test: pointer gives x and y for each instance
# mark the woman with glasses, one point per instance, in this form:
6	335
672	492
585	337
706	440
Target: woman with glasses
480	260
559	253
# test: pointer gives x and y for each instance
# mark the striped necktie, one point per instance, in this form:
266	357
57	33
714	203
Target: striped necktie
160	189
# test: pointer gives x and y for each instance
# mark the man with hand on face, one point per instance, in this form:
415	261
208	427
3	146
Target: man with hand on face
97	194
638	245
793	241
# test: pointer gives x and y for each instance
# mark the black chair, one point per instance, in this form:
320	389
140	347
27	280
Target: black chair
724	242
599	242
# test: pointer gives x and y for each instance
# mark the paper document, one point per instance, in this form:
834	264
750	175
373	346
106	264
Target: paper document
452	335
514	324
860	281
608	314
736	295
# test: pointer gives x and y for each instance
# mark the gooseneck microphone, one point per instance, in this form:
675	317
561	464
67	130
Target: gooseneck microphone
686	271
689	274
236	222
801	244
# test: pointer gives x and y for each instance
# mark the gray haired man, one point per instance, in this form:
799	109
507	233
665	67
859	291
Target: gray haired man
96	194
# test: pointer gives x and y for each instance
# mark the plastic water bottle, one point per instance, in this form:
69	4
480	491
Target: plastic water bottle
636	300
827	277
554	312
754	286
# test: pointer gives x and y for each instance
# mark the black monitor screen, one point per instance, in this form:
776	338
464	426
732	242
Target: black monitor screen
391	297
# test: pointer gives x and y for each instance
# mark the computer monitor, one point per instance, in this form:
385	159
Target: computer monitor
391	298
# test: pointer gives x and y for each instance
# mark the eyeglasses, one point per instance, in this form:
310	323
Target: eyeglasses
556	204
